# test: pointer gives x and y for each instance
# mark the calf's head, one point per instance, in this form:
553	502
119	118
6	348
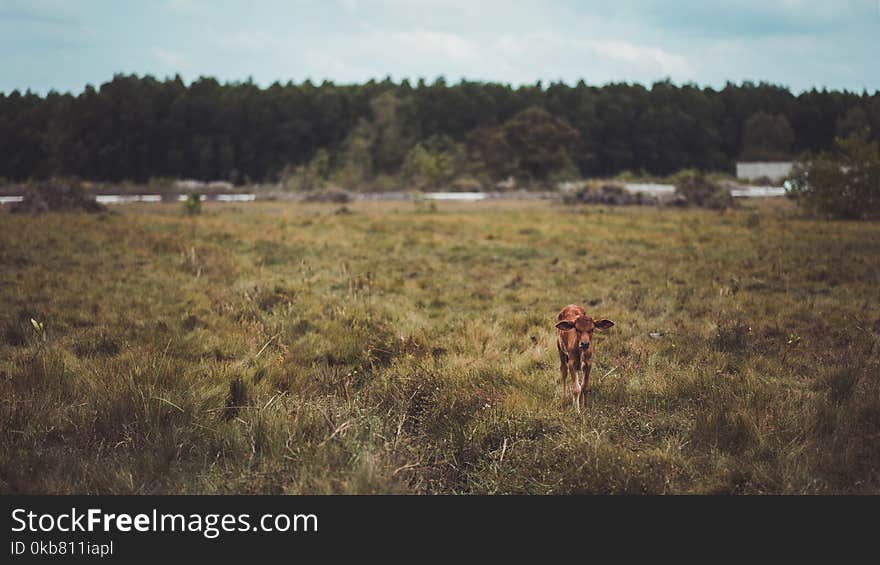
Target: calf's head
584	327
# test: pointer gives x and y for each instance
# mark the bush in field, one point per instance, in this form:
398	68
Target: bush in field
422	168
305	178
332	194
696	189
466	184
192	206
843	183
609	193
422	204
433	163
355	160
56	195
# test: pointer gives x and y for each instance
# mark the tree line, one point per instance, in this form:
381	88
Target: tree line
137	128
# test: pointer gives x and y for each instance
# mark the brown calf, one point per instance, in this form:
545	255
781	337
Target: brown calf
574	340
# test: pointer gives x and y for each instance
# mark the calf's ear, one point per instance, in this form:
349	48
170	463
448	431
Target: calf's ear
604	324
564	325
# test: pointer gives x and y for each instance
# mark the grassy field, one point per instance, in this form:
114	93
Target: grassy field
288	348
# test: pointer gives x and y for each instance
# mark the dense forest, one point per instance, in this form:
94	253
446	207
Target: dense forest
138	128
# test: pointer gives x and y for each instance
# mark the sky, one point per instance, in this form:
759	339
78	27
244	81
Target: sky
65	44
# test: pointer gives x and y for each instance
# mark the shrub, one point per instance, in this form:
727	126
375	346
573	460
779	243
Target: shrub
192	206
308	177
334	195
609	193
422	204
56	195
696	189
427	168
843	184
466	184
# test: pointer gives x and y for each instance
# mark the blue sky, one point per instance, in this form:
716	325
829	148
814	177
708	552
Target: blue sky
63	45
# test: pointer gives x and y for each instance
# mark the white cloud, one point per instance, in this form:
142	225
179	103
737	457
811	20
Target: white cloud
171	60
423	42
610	59
329	66
650	58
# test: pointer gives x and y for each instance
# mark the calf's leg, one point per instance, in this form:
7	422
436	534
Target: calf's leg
585	367
575	388
563	369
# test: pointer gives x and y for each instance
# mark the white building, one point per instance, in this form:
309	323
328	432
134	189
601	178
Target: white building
753	170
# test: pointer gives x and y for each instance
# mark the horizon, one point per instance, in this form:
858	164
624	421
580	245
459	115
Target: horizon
799	45
414	82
